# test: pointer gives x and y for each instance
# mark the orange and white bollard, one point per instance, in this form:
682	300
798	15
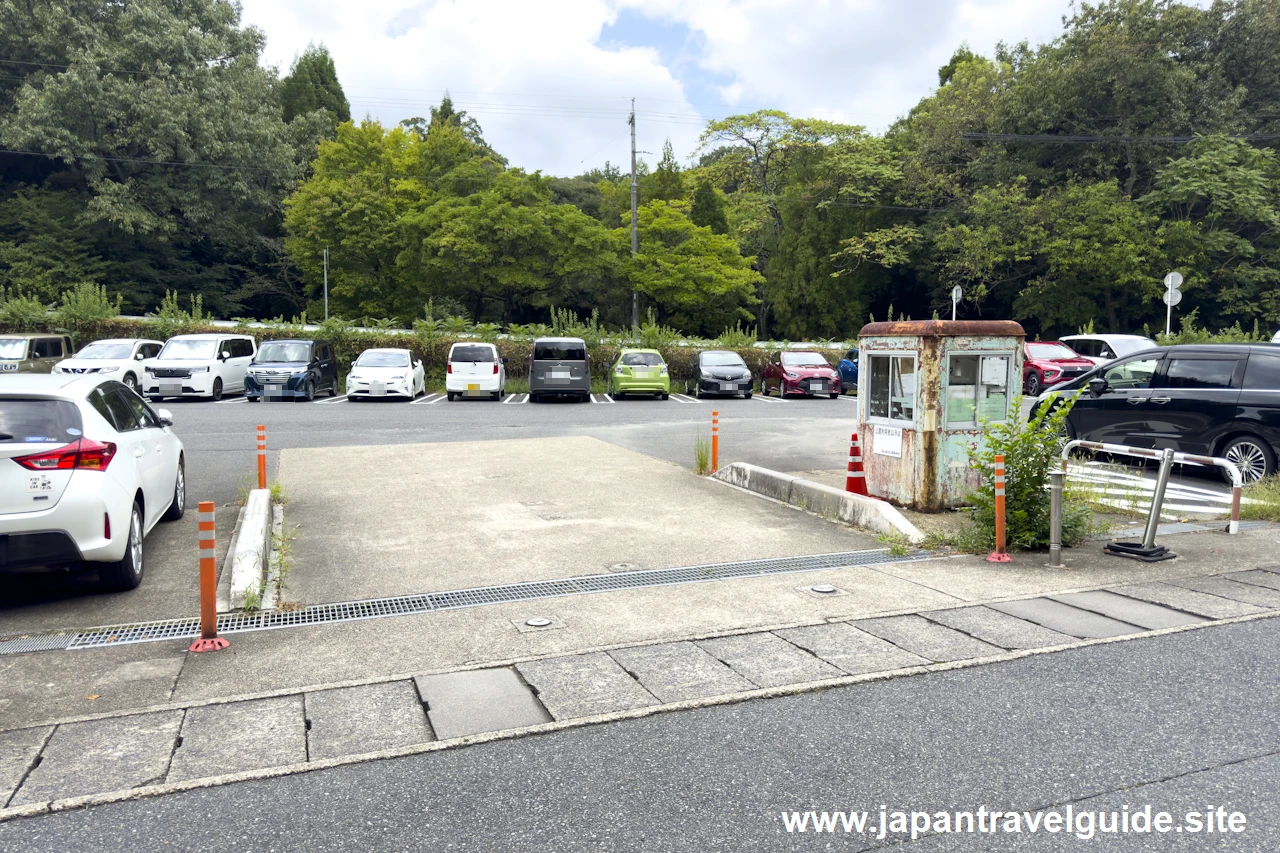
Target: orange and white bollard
715	442
209	640
855	480
999	555
262	456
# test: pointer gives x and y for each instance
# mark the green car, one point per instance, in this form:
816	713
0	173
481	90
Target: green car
639	371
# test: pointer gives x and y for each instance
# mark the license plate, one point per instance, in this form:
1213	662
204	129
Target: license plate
8	367
166	388
40	483
274	389
818	387
561	374
473	387
378	389
728	386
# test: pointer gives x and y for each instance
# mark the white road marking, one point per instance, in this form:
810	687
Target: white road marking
516	399
684	398
426	399
436	398
849	398
602	398
234	400
339	399
764	399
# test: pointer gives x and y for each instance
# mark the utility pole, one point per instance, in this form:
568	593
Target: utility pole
635	235
326	285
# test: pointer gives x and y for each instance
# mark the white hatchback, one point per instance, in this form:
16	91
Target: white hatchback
475	370
124	359
200	366
87	468
386	373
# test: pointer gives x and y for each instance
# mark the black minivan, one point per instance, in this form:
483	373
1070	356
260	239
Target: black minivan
1209	399
295	370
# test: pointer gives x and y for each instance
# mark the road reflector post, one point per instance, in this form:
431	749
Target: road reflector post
715	442
262	456
999	555
855	480
209	640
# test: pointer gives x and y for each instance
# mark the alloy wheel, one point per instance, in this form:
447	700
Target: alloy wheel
1250	458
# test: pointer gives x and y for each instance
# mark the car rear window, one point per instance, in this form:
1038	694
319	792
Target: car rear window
1262	373
39	422
1199	372
559	351
642	359
472	354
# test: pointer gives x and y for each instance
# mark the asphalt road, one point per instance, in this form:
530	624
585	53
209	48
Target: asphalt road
1182	723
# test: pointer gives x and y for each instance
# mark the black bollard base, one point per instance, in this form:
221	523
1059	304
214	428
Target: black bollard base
1135	551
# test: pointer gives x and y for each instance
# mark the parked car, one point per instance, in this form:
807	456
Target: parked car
1101	349
639	371
800	372
87	469
718	372
473	370
1048	363
296	370
1215	400
386	373
1275	339
848	368
32	353
559	367
119	358
199	366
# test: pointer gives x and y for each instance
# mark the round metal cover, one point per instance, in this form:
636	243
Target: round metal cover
825	589
537	622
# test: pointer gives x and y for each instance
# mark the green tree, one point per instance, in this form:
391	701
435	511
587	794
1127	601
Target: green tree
666	182
707	210
312	84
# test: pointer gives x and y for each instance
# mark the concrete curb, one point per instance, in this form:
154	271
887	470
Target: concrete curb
147	791
251	549
224	572
868	513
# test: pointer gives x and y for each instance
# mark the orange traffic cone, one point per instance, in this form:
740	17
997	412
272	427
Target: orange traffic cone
856	481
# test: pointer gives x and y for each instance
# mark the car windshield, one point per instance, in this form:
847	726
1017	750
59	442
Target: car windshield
1050	351
722	359
13	348
1124	346
642	359
187	348
382	359
804	359
39	422
559	351
283	351
105	351
472	353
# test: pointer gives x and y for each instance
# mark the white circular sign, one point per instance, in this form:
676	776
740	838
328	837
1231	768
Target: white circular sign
1172	297
1173	281
956	293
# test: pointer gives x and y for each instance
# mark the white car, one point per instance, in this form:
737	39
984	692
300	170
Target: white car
475	370
1101	349
199	366
1275	339
386	373
119	358
87	468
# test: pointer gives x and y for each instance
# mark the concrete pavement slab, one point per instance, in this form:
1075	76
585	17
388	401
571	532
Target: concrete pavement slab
926	639
583	685
372	717
1189	600
768	660
479	700
102	755
856	652
998	628
1257	577
18	749
218	739
1234	590
1144	614
1065	619
675	672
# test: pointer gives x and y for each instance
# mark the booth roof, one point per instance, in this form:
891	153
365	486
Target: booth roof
944	329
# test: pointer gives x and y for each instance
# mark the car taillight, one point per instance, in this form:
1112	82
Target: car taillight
83	454
448	368
495	368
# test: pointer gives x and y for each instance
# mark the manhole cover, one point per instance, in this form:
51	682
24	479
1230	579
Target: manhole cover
537	622
825	589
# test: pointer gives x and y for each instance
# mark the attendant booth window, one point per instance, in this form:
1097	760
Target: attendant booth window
891	387
978	389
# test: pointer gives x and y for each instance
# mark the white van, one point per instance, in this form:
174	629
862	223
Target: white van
475	370
199	366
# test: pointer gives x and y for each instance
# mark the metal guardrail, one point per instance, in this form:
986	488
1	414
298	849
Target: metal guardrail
1167	458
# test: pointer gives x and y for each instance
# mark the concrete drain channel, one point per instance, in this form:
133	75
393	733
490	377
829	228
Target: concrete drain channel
406	605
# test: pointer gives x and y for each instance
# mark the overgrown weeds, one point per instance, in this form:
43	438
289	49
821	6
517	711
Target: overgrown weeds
701	454
1263	500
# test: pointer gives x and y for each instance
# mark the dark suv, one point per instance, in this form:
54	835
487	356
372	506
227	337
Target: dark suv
291	369
1210	399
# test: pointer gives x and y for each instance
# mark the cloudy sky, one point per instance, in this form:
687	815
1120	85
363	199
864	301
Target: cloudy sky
551	82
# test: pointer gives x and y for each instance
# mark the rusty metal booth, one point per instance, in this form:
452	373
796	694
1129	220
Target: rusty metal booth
924	387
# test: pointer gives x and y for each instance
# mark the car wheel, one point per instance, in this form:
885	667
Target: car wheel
179	506
746	395
833	396
665	396
496	395
131	382
127	573
1252	456
252	399
217	389
1033	385
333	389
449	394
309	391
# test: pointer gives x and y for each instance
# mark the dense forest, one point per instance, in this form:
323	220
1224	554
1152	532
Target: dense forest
144	147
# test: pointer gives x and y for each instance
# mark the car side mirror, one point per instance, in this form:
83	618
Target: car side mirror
225	355
165	416
139	357
1097	385
1106	354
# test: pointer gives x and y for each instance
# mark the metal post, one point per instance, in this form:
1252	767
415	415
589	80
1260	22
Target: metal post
635	234
326	284
715	442
209	640
1162	480
1055	516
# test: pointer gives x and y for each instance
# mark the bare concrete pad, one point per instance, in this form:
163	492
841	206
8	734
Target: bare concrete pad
856	652
584	685
927	639
1257	577
240	736
1234	590
1141	613
1189	600
17	750
675	672
998	628
479	700
1066	619
356	720
768	660
102	755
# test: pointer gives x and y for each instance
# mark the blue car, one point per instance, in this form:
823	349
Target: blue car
297	370
849	372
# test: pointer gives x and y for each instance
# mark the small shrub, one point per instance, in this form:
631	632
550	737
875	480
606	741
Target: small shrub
736	337
85	307
701	454
21	313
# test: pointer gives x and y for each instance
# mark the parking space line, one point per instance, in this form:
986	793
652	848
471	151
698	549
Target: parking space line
234	400
340	399
683	398
426	399
516	399
436	398
763	399
848	398
602	398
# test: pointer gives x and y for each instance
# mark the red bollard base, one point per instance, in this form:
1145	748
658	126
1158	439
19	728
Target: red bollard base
999	557
209	644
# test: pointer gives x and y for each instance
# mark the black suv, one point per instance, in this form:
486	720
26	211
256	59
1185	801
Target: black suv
1209	399
291	369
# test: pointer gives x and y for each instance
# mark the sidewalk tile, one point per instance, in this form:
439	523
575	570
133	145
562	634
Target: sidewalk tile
856	652
369	718
479	700
1234	590
998	628
768	660
584	685
1189	600
1144	614
239	736
17	750
1066	619
675	672
1257	577
927	639
99	756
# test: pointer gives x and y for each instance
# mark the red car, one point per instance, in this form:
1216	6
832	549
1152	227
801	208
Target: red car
800	372
1050	363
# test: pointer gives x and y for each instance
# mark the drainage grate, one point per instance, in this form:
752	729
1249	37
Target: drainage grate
404	605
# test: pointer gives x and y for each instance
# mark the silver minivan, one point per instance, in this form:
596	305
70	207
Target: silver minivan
559	367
